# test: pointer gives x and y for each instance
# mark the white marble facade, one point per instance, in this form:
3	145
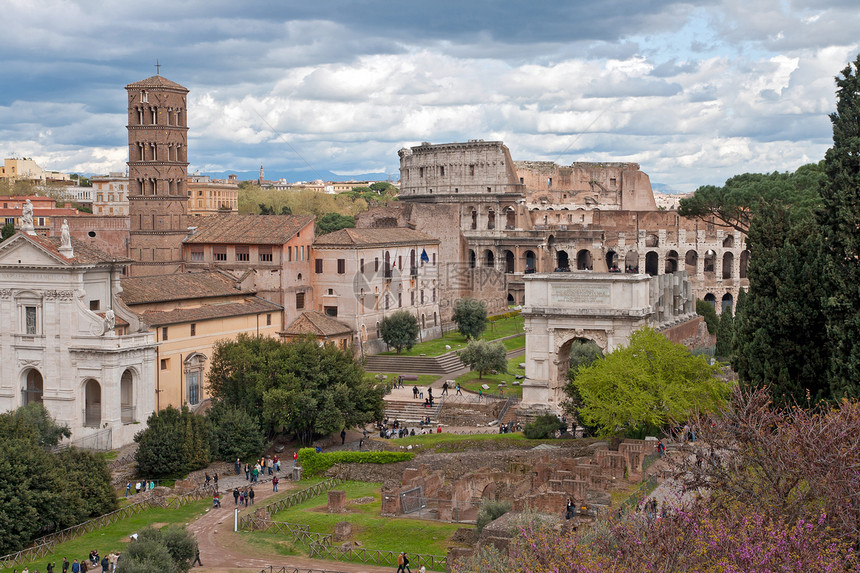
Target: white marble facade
59	344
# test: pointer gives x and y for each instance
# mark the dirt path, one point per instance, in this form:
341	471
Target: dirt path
222	550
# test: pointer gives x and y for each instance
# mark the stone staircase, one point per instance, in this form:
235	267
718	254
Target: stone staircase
410	413
441	365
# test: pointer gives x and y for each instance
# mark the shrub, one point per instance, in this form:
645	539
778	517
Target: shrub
490	510
708	311
174	443
504	315
313	463
235	434
168	550
543	427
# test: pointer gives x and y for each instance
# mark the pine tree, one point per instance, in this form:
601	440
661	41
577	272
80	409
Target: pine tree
780	334
840	221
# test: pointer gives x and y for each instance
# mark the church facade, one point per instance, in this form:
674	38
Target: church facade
70	344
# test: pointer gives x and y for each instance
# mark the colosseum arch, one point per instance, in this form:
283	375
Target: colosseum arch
584	262
728	264
652	261
691	262
671	264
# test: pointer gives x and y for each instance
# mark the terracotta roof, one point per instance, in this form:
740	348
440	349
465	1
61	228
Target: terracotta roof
84	254
179	286
40	211
156	82
318	324
249	229
374	237
253	305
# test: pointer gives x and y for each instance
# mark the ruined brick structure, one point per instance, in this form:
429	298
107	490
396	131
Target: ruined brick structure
157	174
498	219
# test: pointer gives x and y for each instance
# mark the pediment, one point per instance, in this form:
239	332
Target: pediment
19	248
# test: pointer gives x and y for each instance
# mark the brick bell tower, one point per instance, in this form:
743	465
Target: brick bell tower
157	174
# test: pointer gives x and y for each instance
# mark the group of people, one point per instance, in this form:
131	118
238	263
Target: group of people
403	564
141	486
265	465
245	496
108	564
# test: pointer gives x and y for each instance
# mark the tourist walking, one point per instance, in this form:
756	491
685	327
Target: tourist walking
459	390
251	494
403	563
275	483
197	558
445	388
236	496
343	436
247	472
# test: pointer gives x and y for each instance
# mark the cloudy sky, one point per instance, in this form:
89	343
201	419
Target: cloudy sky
693	91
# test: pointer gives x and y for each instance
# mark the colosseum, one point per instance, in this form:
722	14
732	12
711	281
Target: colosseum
501	219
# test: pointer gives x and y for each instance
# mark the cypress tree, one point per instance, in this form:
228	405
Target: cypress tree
724	334
780	334
840	225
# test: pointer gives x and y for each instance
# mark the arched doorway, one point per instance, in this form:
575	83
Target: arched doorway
711	299
509	262
612	262
530	262
744	264
472	259
489	258
126	396
584	261
576	352
631	262
510	218
194	365
651	262
710	257
33	387
92	404
511	299
691	262
562	261
728	263
671	264
728	300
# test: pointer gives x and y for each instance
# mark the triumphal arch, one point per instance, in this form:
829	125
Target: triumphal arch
605	308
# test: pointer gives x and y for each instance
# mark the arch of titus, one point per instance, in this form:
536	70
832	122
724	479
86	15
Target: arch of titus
602	307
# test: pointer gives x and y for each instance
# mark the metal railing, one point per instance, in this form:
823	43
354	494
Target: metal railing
639	494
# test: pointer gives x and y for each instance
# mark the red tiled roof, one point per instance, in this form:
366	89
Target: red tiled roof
83	253
254	305
156	82
248	229
318	324
374	238
179	286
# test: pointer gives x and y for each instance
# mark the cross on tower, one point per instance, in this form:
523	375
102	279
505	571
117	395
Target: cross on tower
157	68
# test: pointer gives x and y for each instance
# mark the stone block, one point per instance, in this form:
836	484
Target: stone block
342	531
336	501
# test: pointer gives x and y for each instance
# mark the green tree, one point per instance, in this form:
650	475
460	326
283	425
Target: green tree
780	332
471	317
707	310
648	384
41	492
235	434
582	354
7	231
334	222
169	550
400	330
300	387
840	220
743	197
483	356
543	427
725	334
174	443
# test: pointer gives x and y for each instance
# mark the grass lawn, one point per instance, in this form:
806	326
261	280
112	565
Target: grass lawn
471	382
433	439
375	532
115	537
515	343
496	329
423	379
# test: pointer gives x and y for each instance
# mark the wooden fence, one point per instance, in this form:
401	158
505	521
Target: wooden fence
45	545
376	556
247	522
